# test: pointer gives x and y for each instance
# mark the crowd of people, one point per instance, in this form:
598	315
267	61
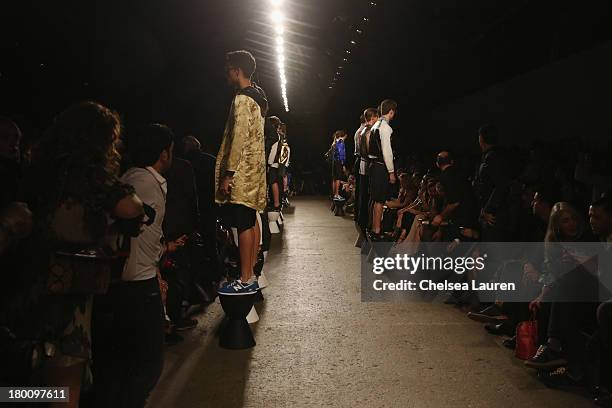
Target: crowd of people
131	235
111	240
553	194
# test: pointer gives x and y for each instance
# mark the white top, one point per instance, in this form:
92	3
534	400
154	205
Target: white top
288	156
363	162
272	156
385	132
357	134
146	249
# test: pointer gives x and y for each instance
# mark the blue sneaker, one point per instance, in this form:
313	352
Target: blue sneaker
239	288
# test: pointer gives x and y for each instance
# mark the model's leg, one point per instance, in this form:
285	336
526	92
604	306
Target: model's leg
245	246
275	195
377	214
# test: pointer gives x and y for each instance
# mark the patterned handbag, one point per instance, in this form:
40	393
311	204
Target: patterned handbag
84	272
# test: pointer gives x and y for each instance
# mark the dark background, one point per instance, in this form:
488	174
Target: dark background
162	61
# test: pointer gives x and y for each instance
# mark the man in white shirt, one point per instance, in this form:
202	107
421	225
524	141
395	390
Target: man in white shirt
273	139
363	195
381	170
140	313
358	186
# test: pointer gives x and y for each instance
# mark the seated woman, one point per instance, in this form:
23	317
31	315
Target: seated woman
407	214
569	284
422	209
397	206
347	191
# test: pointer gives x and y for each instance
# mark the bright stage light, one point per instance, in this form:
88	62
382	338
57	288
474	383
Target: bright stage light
278	18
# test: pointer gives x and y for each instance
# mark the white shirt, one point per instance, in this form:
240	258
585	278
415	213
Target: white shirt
272	155
363	164
147	248
385	132
288	156
357	135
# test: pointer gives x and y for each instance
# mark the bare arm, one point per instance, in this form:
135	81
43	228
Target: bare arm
129	207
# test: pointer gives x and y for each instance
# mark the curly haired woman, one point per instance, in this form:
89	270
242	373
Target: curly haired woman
75	196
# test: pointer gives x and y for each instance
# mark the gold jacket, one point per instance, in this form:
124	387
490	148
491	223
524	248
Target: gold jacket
242	151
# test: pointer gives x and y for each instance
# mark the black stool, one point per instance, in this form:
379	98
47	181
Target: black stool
236	333
338	207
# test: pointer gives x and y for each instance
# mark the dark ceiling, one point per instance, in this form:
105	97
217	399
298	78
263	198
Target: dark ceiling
162	60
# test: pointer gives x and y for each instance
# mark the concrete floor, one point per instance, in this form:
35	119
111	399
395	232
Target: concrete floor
319	345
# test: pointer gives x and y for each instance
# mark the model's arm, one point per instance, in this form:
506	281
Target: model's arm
242	114
387	151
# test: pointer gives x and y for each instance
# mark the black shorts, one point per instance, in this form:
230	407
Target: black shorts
282	171
238	216
379	182
273	175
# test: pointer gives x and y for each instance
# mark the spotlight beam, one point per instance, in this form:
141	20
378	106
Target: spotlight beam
278	20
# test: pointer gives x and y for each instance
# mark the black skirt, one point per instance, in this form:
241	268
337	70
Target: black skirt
379	182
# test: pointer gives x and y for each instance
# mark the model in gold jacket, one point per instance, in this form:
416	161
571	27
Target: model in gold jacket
242	153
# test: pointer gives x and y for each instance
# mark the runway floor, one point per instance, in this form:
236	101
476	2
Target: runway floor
319	345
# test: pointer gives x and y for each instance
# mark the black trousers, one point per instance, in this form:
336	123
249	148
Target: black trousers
575	298
363	202
357	189
180	287
139	318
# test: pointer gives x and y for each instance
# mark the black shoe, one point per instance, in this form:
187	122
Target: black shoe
555	378
500	329
186	324
492	314
546	358
510	343
374	237
173	339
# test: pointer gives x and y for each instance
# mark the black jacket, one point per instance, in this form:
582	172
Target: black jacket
181	201
204	171
272	136
493	185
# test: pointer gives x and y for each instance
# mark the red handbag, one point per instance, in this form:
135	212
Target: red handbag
526	339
